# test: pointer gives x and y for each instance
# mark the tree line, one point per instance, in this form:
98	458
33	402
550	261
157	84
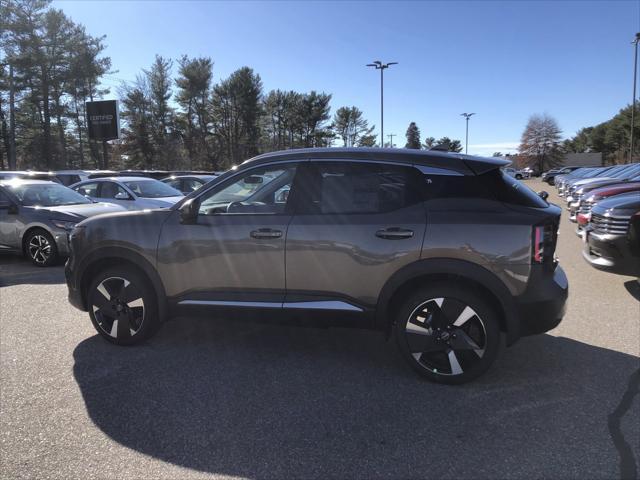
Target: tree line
542	147
173	115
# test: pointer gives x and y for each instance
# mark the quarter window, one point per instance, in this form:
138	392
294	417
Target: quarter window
356	188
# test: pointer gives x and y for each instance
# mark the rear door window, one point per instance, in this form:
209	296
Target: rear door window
87	189
356	188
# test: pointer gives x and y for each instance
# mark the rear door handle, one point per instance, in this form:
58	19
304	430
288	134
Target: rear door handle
394	233
263	233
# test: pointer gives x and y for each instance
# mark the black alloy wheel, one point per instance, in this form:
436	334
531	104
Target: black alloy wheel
41	248
448	335
122	306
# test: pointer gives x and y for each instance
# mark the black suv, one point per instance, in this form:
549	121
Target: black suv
443	250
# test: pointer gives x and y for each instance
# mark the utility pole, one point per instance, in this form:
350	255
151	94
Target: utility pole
378	65
467	116
633	103
391	135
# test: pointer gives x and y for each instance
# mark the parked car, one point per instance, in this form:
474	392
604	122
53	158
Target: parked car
517	174
443	250
560	180
132	193
577	189
571	183
583	214
28	175
610	244
188	183
549	177
37	215
584	193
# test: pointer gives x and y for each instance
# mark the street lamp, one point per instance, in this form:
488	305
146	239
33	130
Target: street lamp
633	104
467	116
378	65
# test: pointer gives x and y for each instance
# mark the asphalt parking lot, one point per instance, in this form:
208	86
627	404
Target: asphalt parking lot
211	397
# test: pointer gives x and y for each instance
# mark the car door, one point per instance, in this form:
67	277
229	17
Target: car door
114	193
232	254
9	238
356	224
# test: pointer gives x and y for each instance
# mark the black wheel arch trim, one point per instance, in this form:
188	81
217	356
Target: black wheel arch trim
130	256
454	267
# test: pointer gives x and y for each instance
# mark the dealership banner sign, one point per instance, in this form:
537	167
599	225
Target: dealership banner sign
103	119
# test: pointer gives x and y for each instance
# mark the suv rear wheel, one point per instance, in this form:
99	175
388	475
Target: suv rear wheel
123	306
447	333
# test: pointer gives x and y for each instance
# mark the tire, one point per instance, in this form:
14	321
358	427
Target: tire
41	248
434	346
121	297
518	177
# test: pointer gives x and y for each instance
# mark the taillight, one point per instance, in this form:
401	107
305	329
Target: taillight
544	240
538	244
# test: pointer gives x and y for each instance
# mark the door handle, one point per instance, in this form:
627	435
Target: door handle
394	233
263	233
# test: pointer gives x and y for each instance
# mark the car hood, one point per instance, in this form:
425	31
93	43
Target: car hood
81	211
163	202
586	181
627	202
612	190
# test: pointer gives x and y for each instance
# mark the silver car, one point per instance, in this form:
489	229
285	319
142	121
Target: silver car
37	215
131	193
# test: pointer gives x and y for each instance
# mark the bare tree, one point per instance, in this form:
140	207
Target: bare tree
540	146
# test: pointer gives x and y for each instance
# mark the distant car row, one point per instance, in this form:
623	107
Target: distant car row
605	204
70	177
37	211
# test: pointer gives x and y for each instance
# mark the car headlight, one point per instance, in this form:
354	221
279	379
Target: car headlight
64	225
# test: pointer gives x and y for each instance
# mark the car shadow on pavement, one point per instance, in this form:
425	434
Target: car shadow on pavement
19	271
264	401
633	287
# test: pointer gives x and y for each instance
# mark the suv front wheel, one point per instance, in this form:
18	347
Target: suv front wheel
123	306
447	333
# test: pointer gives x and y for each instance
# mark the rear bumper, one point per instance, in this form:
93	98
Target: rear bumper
542	306
611	253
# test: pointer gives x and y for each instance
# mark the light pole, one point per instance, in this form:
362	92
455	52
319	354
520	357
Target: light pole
378	65
633	104
467	116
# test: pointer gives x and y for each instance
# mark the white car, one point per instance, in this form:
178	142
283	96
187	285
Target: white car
518	174
132	193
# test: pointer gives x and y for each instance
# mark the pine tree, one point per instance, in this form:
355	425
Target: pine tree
413	137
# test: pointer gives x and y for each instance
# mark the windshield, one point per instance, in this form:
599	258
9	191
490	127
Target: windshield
47	195
149	188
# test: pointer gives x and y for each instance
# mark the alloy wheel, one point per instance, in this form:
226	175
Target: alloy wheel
446	336
39	249
118	307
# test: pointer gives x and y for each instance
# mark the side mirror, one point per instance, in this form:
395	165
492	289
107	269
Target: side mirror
122	196
543	195
189	211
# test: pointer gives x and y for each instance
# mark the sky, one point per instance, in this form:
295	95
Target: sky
503	60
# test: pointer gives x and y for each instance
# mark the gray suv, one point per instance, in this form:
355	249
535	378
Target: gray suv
443	251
